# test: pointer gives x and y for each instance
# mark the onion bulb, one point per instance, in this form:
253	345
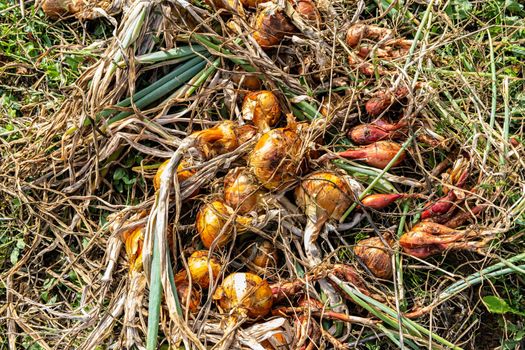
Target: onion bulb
216	222
195	295
224	137
270	27
242	192
200	265
60	8
247	81
262	254
244	293
275	160
262	108
326	192
378	154
360	31
383	99
365	134
375	255
380	201
183	173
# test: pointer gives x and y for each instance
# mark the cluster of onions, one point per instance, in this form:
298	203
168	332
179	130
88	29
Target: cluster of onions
371	41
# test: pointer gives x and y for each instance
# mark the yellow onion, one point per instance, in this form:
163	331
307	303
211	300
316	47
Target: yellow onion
183	173
200	266
247	81
213	223
262	254
325	191
242	192
262	108
244	293
275	160
375	255
270	27
224	137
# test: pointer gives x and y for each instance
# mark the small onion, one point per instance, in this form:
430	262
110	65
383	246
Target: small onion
242	192
360	31
183	289
214	225
375	256
326	192
378	154
245	293
270	27
275	160
262	108
253	3
262	254
224	137
247	81
365	134
200	265
308	10
183	173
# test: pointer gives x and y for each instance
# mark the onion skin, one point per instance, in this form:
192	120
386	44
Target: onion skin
200	265
213	224
378	154
183	173
360	31
327	191
242	192
375	256
275	160
61	8
133	241
270	27
262	108
244	293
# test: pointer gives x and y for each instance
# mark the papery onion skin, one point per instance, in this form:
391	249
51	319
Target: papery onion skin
378	104
378	154
375	255
133	241
246	294
200	264
275	160
262	108
327	191
183	173
270	27
242	191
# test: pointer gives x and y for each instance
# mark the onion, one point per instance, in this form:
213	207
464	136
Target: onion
275	160
246	294
224	137
376	256
307	9
200	265
262	254
379	201
378	154
321	195
262	108
183	173
366	134
382	100
183	289
270	27
242	192
216	222
360	31
247	81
